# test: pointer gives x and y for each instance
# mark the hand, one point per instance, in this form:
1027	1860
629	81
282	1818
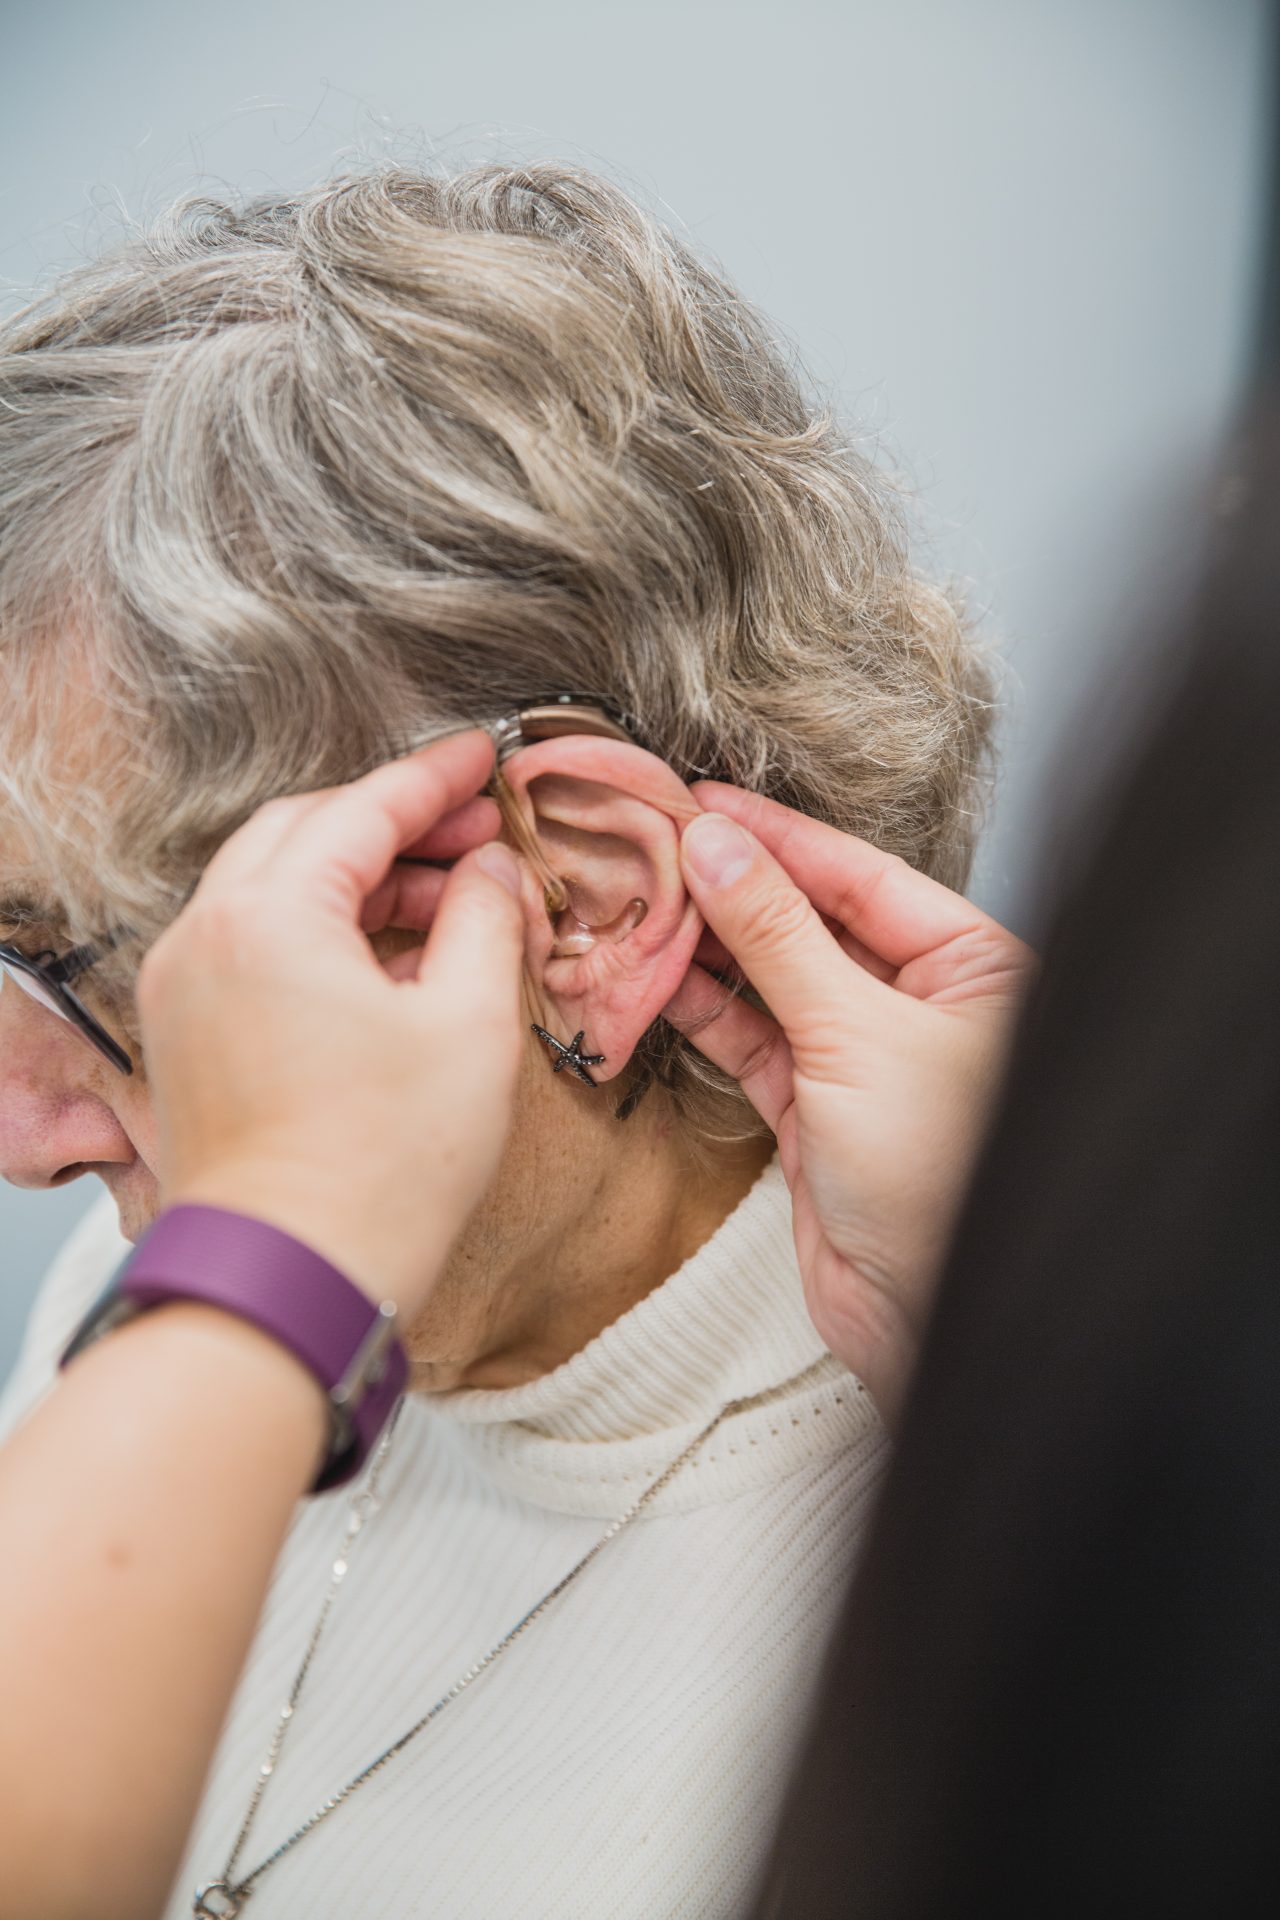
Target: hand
361	1108
893	1003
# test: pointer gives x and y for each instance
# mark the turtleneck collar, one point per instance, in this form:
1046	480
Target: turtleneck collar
729	1324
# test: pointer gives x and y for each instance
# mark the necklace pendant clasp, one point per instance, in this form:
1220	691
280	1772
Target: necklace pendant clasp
229	1904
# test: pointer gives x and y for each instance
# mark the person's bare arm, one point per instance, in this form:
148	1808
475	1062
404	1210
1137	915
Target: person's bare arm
142	1507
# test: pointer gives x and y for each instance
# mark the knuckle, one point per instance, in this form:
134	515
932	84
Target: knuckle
855	896
220	924
779	916
760	1056
224	911
281	808
984	953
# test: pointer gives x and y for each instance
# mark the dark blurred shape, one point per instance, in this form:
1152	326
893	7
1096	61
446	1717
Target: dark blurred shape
1266	354
1057	1686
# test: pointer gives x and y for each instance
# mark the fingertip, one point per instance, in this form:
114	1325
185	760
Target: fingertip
501	865
469	732
477	937
717	849
492	879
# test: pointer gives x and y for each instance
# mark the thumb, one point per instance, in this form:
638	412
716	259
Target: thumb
475	948
772	929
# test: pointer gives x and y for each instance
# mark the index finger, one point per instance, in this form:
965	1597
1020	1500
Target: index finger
895	910
339	850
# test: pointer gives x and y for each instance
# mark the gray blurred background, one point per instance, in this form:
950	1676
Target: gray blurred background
1017	240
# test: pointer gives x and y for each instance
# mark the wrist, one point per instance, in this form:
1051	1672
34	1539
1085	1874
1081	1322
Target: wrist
317	1213
285	1289
262	1389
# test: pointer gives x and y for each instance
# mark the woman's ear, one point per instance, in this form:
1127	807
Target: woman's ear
607	818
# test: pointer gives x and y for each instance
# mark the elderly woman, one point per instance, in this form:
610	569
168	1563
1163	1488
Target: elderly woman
286	489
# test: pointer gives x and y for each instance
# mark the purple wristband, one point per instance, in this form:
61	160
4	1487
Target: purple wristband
264	1275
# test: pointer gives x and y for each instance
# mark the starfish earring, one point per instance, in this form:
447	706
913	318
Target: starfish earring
572	1055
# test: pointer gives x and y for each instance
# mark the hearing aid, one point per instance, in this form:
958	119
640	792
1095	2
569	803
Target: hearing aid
541	720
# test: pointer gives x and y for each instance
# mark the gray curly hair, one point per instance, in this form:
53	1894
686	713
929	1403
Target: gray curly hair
289	485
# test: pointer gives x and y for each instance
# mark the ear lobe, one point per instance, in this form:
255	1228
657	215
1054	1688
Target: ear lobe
608	818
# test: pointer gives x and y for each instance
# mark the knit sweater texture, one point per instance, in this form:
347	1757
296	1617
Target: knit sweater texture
625	1758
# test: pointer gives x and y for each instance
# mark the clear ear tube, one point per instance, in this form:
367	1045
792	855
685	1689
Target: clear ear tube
577	936
554	891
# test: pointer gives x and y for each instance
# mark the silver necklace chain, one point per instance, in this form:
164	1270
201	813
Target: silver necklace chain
223	1898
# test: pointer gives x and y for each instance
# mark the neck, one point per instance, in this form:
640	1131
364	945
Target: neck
649	1212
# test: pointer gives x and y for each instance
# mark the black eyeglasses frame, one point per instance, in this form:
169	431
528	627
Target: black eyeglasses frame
53	973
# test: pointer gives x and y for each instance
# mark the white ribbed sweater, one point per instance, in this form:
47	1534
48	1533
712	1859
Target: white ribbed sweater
624	1759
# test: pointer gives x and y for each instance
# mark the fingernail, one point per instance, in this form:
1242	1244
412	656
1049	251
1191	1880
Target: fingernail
501	865
718	850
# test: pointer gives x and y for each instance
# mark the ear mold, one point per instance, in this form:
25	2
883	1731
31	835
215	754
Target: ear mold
578	936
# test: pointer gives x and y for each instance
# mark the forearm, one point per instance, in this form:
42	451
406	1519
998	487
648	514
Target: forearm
142	1508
